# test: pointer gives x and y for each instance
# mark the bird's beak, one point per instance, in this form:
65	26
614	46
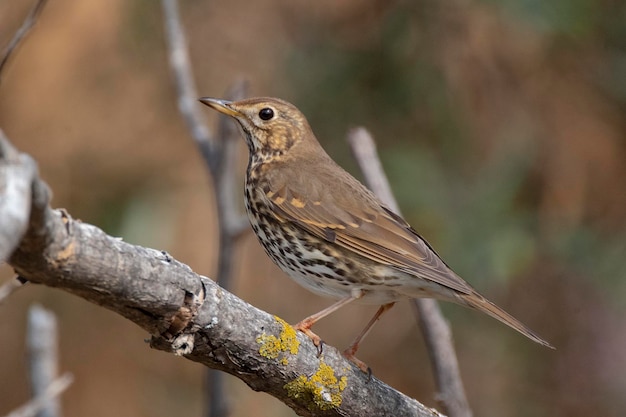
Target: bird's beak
222	106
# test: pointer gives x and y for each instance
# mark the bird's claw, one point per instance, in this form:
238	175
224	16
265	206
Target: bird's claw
320	348
317	341
359	363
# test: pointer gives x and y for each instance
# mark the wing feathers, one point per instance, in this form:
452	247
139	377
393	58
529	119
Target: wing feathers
372	232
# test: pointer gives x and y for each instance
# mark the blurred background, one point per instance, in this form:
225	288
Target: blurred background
501	126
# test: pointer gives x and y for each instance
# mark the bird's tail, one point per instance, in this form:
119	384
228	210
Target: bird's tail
480	303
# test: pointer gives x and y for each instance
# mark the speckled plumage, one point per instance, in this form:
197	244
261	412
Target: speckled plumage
327	231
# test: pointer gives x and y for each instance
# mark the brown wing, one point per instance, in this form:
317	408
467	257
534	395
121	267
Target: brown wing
362	225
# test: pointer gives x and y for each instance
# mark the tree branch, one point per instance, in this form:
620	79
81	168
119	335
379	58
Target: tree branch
21	33
42	344
38	403
185	86
190	315
434	327
11	286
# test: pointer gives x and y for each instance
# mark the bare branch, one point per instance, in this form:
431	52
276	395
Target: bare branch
364	150
11	286
190	315
440	346
21	33
185	86
434	327
231	219
42	344
33	407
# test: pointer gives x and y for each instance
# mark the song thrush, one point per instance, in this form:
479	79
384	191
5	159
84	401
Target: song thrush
328	232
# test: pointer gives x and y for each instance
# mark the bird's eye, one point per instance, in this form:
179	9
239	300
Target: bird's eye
266	113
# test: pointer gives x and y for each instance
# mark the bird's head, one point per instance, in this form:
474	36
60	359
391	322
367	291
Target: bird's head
271	127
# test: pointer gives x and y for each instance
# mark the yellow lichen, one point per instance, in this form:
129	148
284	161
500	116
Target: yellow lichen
287	342
321	391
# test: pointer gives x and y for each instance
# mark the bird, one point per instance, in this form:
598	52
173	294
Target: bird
331	234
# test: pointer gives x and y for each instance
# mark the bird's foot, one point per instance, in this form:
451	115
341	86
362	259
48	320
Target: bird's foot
305	327
349	355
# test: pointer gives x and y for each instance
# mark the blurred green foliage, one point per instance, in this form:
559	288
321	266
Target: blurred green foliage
576	18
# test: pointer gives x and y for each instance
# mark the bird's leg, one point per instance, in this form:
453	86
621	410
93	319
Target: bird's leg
354	346
305	325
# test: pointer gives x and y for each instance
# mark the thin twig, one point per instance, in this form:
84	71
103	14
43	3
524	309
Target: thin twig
434	327
440	347
21	33
230	219
10	286
185	86
233	221
55	389
42	347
